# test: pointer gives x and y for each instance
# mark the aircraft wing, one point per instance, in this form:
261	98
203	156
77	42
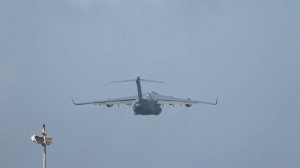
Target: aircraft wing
109	102
172	100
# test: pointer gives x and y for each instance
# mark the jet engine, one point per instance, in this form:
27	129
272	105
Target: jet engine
188	105
109	105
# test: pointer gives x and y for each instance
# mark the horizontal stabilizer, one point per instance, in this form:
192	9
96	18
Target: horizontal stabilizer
135	80
146	80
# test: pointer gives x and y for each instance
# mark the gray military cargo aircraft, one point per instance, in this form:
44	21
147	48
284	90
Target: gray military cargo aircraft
147	103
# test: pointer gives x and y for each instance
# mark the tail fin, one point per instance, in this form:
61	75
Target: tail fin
138	83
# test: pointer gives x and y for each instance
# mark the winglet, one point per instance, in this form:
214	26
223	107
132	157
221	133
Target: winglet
73	101
217	100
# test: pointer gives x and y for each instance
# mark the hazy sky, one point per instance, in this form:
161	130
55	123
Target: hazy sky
245	52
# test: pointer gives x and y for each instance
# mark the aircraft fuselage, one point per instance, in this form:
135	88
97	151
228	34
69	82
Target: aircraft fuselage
147	105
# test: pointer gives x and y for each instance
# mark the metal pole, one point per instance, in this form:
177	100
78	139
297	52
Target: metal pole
44	158
44	141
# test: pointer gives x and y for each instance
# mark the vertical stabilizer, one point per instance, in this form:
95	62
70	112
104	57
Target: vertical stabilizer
139	89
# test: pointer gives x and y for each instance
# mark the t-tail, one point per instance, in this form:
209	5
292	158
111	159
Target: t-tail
138	84
139	88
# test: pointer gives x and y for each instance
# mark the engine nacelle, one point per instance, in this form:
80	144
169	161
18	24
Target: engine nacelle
188	105
109	105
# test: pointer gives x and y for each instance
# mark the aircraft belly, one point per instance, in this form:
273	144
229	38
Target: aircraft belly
146	108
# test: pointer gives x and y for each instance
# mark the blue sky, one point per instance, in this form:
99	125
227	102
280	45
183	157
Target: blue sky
247	53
